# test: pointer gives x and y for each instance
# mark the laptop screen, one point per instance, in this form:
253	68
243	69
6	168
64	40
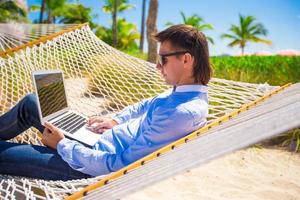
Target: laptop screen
51	92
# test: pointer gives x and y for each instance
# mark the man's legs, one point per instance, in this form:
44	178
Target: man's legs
20	118
30	160
35	162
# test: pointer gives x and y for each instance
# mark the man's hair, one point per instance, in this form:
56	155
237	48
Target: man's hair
188	38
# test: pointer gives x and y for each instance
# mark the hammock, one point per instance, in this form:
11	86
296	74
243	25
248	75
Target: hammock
99	80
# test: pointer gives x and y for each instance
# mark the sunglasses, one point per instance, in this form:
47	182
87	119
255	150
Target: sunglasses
161	58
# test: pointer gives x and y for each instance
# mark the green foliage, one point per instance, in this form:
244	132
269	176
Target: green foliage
136	53
246	31
127	34
10	11
122	6
275	70
292	140
197	22
67	13
74	14
53	5
289	139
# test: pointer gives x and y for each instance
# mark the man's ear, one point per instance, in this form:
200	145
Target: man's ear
188	59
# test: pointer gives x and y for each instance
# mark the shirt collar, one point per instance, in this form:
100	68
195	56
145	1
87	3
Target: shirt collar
190	88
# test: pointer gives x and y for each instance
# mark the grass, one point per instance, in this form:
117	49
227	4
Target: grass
274	70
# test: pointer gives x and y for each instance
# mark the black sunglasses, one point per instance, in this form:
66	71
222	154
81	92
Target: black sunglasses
161	58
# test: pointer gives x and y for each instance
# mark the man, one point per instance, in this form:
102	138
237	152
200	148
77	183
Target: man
130	134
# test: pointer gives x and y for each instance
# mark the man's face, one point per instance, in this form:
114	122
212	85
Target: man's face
172	68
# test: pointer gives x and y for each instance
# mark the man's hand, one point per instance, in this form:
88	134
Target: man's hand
51	136
99	124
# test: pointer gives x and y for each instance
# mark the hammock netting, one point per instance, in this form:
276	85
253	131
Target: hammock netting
13	35
100	80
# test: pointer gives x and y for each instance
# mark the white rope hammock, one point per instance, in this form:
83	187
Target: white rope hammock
13	35
99	80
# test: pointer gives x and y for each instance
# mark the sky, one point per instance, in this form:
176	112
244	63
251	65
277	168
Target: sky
280	17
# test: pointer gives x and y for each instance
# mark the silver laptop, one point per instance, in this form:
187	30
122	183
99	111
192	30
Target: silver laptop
54	108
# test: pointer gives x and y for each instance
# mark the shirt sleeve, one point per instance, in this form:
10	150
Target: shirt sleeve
132	111
84	159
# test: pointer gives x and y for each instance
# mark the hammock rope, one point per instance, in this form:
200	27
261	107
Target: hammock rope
99	80
14	36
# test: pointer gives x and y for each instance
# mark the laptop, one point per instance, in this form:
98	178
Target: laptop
54	108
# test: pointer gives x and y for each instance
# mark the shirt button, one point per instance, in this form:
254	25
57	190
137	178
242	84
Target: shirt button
149	143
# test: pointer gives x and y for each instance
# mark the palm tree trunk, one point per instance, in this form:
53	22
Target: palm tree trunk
114	25
243	44
49	18
42	11
142	27
151	29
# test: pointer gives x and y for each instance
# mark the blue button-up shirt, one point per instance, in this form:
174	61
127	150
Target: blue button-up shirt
142	128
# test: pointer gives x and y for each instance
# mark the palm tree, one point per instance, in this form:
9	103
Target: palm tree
151	29
127	32
74	14
142	26
246	31
12	11
114	7
53	9
67	13
197	22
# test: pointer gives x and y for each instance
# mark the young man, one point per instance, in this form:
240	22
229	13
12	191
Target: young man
130	134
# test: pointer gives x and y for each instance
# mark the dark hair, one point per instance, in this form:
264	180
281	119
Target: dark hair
188	38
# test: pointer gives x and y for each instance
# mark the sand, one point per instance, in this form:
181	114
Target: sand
253	173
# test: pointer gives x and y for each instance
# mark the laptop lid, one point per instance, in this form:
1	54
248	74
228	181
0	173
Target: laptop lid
51	93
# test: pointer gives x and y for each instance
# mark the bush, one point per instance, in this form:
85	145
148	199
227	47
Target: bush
275	70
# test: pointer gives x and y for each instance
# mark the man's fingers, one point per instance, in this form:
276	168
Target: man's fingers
44	139
47	131
104	125
97	127
50	126
95	119
90	119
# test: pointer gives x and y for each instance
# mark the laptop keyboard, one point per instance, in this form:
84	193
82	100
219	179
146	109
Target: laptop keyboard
70	123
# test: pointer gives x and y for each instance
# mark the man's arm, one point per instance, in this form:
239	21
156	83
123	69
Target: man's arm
165	127
83	159
78	156
132	111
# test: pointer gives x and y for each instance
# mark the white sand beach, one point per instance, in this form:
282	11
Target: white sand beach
253	173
